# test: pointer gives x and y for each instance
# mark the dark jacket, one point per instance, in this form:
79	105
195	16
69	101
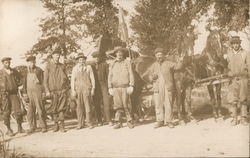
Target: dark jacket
55	77
10	82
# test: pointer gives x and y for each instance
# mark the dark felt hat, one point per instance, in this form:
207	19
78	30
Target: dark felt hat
96	54
121	49
80	55
31	58
5	59
235	39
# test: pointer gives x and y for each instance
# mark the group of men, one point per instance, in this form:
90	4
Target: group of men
94	84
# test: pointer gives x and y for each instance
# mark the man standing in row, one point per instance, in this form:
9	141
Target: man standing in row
238	65
33	89
10	80
83	88
121	83
101	93
163	83
56	85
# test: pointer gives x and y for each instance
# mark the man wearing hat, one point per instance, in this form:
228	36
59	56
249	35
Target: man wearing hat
238	65
56	85
33	89
83	88
101	97
10	80
163	84
121	83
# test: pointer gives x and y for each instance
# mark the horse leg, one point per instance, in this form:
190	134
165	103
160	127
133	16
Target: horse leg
178	100
187	103
212	98
218	99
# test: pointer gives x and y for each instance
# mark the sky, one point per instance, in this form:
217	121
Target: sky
19	30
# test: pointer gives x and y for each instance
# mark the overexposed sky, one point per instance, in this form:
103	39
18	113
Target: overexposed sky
19	29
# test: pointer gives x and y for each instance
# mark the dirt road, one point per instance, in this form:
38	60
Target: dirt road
206	138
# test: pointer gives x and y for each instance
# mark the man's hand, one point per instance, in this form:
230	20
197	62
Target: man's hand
92	91
130	90
111	91
26	98
48	94
154	77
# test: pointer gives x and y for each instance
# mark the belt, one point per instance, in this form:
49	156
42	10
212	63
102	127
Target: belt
121	86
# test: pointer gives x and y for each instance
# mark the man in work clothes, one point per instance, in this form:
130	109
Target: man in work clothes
162	78
56	84
33	89
83	88
238	70
10	80
121	82
101	96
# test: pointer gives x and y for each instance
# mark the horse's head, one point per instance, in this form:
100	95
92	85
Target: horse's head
214	45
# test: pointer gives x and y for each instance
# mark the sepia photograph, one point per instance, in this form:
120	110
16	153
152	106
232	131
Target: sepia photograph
124	78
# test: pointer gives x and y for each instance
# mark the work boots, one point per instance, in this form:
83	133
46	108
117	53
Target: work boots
20	128
158	124
62	129
234	121
130	124
243	121
56	127
10	132
118	125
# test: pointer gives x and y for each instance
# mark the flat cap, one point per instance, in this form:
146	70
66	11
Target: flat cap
31	58
5	59
159	49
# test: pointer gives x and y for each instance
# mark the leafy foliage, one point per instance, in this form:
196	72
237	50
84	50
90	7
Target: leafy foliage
232	15
166	23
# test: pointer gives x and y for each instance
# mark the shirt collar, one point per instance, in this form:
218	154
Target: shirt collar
237	52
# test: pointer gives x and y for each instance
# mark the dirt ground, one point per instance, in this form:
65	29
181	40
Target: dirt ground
206	138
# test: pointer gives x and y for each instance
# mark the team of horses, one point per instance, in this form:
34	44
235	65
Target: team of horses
195	67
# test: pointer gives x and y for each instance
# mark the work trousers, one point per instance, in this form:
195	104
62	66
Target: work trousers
163	107
121	103
237	96
83	109
59	105
11	102
36	105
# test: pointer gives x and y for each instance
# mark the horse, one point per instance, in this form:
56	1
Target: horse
215	65
207	64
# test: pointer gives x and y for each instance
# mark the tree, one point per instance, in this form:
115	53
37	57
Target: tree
102	19
70	21
231	15
63	26
163	23
166	23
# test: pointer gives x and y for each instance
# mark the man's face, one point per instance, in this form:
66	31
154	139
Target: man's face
56	57
119	56
236	46
81	61
159	56
6	64
32	63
